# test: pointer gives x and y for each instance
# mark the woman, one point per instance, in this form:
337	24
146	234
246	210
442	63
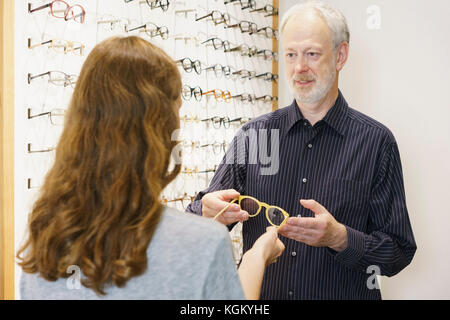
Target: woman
99	211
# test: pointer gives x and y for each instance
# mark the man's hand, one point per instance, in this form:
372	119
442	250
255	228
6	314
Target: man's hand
213	202
321	231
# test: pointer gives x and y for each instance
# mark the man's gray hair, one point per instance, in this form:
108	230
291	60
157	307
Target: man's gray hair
333	17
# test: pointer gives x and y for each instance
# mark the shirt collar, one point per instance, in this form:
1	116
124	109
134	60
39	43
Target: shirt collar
335	117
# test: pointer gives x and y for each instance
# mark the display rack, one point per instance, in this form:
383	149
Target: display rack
225	48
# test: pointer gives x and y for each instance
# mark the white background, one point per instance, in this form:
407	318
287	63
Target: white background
399	75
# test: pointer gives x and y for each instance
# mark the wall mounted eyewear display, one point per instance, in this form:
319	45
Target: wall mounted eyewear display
276	216
61	46
60	9
58	78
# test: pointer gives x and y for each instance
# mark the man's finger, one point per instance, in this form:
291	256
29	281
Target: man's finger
228	194
307	223
313	205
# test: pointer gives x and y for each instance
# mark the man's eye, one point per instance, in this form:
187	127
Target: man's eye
290	55
312	54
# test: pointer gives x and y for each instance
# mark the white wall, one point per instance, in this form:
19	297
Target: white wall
399	74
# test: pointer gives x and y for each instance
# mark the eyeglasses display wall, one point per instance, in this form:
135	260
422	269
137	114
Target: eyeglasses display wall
224	50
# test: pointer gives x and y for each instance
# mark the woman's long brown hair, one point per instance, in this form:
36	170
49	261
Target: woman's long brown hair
99	205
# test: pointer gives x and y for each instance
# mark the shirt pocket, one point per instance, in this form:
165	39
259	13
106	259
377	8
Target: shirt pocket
347	201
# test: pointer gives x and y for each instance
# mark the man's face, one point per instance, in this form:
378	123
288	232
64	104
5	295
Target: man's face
309	56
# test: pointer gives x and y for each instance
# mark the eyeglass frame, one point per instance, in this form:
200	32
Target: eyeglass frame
224	44
217	21
192	93
66	12
66	76
153	33
220	121
261	205
226	95
225	70
192	66
68	48
49	113
274	10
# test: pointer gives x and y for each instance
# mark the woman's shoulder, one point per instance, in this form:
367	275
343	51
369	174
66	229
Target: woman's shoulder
188	225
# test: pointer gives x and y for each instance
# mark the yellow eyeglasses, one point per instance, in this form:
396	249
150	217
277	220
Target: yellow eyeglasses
276	216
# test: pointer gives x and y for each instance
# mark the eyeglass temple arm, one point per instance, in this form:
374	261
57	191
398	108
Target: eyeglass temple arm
210	14
37	44
225	209
30	77
38	8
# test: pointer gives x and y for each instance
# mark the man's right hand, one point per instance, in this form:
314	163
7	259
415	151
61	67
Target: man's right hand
215	201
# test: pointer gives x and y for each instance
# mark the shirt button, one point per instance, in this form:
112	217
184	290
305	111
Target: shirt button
299	215
310	145
290	293
304	180
293	253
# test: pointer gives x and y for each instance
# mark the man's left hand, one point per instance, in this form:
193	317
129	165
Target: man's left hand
321	231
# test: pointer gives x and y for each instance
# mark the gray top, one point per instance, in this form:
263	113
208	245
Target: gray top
189	258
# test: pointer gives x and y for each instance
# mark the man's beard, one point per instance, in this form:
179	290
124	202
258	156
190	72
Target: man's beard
319	89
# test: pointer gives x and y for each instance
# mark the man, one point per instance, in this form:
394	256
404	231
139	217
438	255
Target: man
339	175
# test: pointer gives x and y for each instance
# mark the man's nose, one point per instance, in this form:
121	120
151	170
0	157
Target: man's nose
301	65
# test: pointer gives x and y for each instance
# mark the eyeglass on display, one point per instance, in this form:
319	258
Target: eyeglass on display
245	98
30	149
185	200
245	26
269	32
245	73
220	70
276	216
268	9
245	50
58	78
217	147
152	30
187	92
110	23
219	94
218	121
153	4
245	4
56	116
188	65
219	44
60	9
267	76
267	99
217	17
61	46
268	54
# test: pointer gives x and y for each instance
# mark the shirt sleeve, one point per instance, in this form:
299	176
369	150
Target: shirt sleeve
390	243
222	280
230	174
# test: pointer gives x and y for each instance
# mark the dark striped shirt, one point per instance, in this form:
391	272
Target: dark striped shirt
350	164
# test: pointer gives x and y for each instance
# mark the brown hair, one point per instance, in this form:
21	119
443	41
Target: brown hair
99	205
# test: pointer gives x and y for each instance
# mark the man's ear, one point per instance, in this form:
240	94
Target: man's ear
341	55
